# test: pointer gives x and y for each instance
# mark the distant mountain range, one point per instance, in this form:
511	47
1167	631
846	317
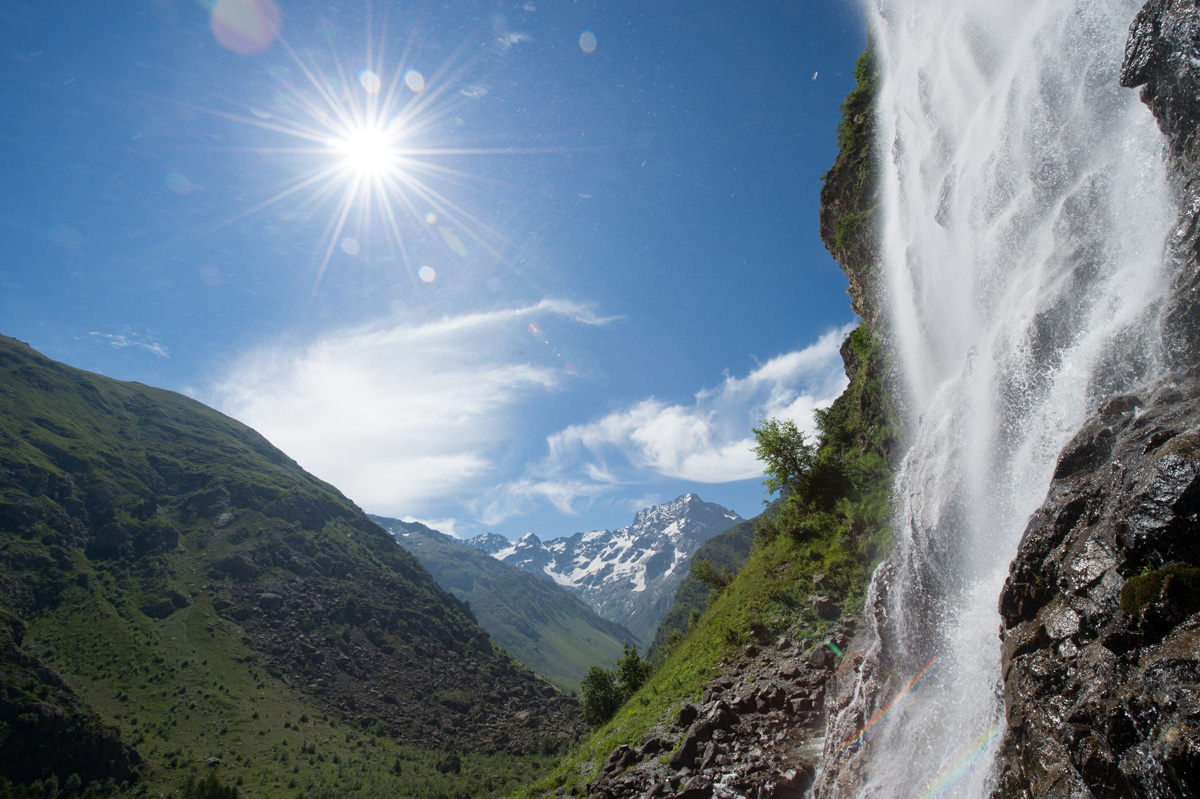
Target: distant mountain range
629	575
176	593
546	626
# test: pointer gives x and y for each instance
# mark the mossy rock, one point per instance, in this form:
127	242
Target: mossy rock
1177	583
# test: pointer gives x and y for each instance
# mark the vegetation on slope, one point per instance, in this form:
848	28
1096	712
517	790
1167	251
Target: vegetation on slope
725	553
545	626
181	601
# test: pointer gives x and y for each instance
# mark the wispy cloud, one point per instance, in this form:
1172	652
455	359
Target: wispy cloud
399	415
120	341
506	40
706	441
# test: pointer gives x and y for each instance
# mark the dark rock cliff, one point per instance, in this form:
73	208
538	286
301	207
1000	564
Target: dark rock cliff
1101	610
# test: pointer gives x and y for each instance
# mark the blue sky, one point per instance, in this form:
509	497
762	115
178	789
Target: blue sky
509	266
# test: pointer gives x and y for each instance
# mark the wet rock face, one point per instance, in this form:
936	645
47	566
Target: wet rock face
1101	612
756	733
1162	56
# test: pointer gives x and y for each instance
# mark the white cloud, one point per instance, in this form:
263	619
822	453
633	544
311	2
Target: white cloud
398	415
509	39
706	441
524	495
120	341
447	526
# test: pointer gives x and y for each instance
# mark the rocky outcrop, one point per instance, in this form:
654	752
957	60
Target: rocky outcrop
1162	56
850	197
386	651
1101	610
757	731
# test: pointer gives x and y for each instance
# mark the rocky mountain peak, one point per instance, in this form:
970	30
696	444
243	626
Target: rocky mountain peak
629	575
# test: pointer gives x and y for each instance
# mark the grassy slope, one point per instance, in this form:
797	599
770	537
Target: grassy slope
544	626
727	551
842	533
116	501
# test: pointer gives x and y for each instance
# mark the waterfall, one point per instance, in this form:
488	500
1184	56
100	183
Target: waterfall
1025	206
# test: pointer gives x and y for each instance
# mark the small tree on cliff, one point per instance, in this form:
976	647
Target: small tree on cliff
810	479
787	454
632	671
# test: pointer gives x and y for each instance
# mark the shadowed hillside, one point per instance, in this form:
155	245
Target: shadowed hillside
179	579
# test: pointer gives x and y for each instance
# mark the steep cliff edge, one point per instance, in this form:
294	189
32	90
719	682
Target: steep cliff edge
1101	609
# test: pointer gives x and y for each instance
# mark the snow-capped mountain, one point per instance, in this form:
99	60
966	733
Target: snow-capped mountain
630	574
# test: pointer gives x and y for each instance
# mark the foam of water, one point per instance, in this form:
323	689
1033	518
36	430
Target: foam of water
1025	209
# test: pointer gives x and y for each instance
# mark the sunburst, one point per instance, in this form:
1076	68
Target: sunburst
370	161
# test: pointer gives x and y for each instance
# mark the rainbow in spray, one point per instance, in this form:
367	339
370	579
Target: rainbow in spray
912	686
951	774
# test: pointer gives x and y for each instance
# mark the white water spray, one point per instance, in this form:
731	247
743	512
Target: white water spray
1025	207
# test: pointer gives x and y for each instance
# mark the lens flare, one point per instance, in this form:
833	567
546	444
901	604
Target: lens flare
367	151
246	26
587	42
365	140
65	236
370	81
178	183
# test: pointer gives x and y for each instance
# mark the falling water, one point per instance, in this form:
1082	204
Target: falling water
1025	208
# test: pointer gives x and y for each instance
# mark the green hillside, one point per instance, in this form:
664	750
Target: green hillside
546	627
180	601
725	553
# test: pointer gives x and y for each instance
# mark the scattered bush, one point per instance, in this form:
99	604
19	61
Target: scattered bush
605	691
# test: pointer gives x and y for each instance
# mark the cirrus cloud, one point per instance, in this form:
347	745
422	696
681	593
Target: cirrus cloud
399	416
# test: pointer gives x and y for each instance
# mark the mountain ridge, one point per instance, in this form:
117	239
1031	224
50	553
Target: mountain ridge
630	574
548	628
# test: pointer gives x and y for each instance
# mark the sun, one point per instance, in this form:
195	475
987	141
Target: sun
369	151
368	157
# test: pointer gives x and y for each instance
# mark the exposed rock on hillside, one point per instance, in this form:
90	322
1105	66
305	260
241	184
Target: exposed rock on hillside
756	732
